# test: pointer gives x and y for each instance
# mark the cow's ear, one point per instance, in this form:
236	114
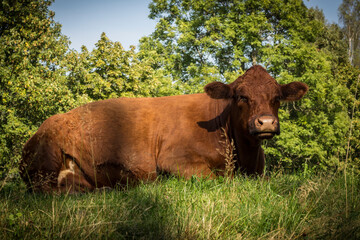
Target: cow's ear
293	91
218	90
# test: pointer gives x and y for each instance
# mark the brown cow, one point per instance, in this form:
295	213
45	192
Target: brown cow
123	140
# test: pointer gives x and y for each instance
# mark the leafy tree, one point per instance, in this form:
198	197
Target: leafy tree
31	86
351	77
349	13
109	71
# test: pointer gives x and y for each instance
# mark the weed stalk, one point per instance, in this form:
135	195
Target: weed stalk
348	147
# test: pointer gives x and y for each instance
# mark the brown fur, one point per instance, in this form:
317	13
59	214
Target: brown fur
121	141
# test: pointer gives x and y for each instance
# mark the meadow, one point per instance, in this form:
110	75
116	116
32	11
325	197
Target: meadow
282	206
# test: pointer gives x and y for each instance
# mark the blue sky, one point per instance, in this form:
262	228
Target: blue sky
126	21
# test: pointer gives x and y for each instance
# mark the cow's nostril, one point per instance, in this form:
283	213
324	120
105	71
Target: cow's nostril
260	121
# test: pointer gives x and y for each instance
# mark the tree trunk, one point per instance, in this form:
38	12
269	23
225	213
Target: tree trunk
253	57
350	50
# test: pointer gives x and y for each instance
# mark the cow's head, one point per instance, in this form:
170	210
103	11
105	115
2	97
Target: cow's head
256	99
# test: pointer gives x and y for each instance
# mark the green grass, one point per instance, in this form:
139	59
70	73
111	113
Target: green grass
282	207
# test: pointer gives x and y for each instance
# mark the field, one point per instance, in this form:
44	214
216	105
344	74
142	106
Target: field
283	206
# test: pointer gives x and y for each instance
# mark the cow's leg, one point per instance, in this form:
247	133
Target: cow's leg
205	173
260	162
71	178
186	169
40	180
40	164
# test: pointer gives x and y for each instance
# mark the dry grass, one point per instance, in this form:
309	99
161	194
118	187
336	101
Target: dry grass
228	152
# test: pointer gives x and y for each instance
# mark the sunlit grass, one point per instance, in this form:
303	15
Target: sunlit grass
282	207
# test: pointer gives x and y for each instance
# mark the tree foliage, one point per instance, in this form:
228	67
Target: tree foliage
109	71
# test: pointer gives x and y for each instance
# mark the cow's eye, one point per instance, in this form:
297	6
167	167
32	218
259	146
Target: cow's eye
243	99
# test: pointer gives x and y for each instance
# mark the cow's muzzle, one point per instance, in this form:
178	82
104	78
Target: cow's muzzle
265	127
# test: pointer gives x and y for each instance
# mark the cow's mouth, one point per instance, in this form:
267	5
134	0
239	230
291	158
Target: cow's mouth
265	135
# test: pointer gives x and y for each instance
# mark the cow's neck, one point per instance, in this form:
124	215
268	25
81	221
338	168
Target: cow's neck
248	148
247	154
